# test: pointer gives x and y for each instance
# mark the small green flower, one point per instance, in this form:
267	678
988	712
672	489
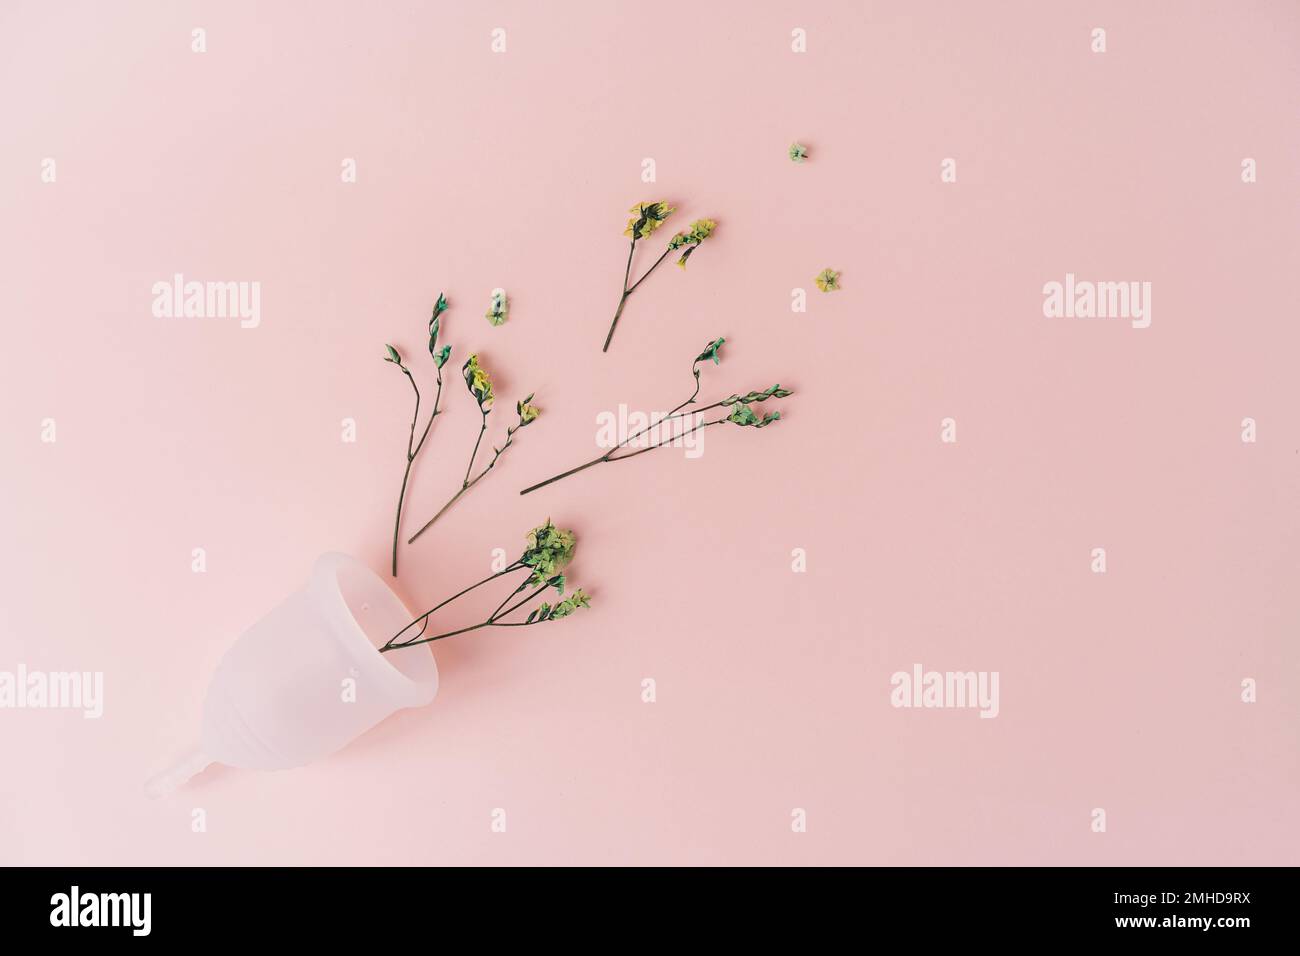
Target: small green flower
479	382
828	280
744	415
649	217
549	550
440	357
499	309
700	230
570	604
527	412
798	153
711	351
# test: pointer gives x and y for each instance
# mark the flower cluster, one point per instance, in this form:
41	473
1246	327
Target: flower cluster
549	550
479	382
646	218
566	607
828	280
700	230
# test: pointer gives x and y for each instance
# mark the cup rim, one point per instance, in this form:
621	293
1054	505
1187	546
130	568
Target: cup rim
325	582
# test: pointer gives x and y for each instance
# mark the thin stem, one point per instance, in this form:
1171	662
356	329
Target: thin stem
410	457
675	413
465	484
622	301
429	524
410	453
412	449
642	451
397	522
566	474
395	647
617	314
513	608
509	597
650	270
461	630
610	456
437	400
424	617
492	620
468	484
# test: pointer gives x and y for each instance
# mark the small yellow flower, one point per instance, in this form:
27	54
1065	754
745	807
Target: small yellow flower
478	381
828	280
648	216
701	229
527	411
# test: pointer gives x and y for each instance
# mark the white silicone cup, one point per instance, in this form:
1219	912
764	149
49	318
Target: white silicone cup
277	699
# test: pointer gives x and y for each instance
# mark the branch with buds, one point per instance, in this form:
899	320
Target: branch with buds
646	218
479	384
741	414
440	356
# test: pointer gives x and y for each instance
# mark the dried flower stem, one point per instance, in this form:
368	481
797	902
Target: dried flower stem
549	550
610	456
628	290
469	482
741	414
412	449
393	643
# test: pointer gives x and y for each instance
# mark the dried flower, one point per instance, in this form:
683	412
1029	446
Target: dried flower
700	230
648	217
549	550
499	308
479	382
527	413
798	153
711	351
828	280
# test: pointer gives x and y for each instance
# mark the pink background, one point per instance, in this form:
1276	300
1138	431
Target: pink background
479	170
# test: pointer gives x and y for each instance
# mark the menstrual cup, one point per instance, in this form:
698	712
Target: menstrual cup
308	678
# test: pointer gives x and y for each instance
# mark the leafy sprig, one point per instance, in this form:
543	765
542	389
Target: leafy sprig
439	356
